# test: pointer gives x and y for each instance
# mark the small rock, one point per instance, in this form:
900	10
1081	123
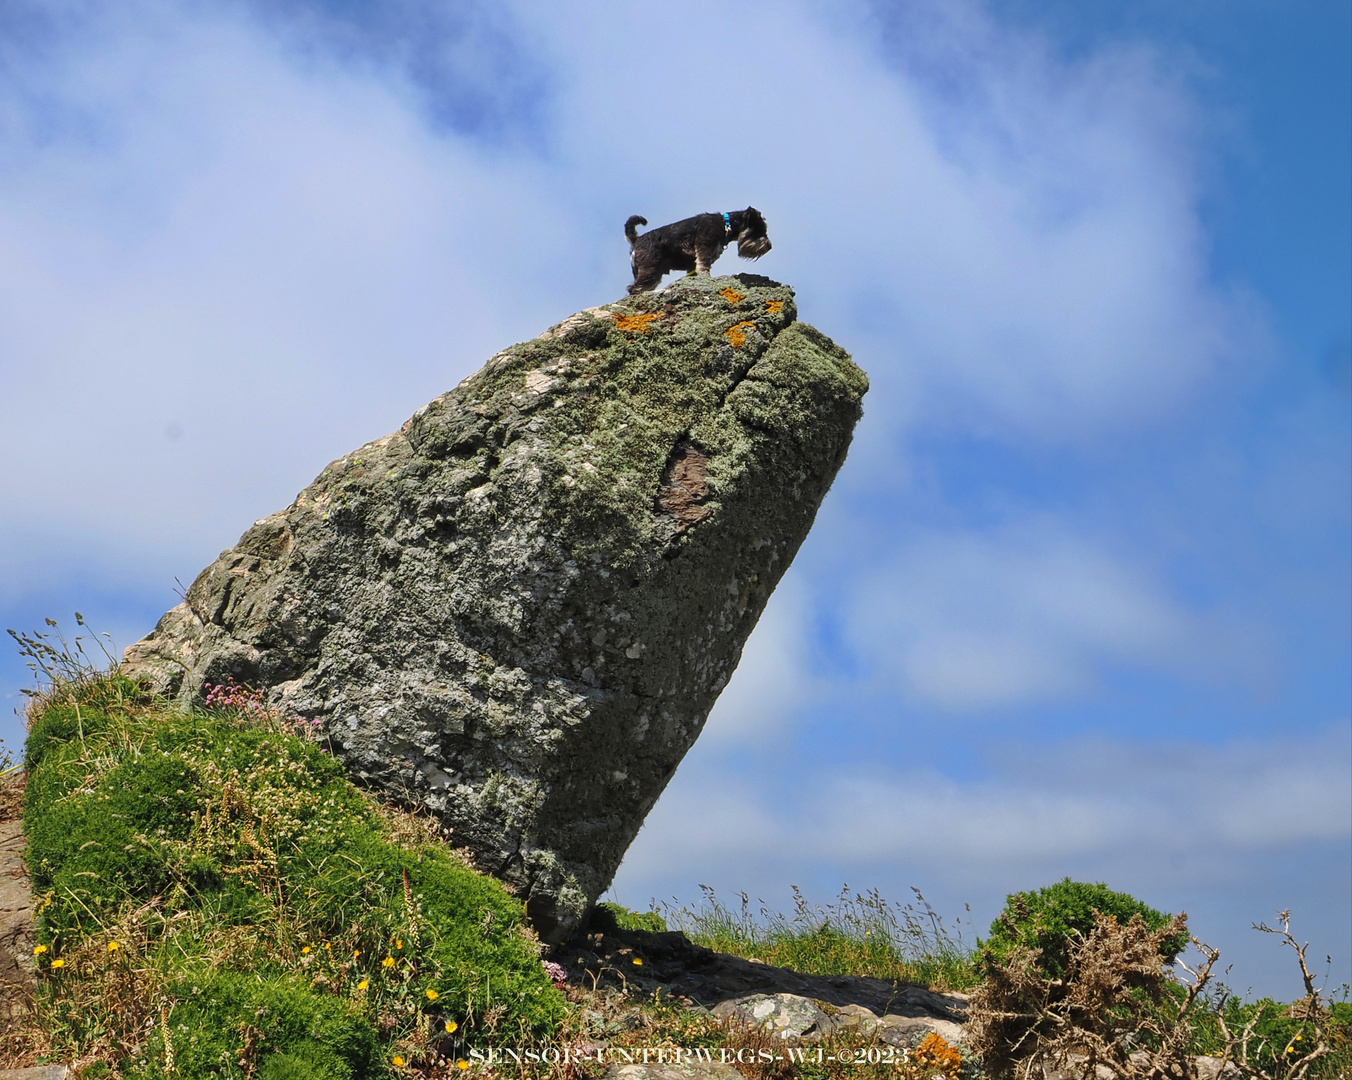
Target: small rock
694	1070
855	1019
908	1030
787	1016
1209	1068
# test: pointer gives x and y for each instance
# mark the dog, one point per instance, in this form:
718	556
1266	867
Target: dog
693	244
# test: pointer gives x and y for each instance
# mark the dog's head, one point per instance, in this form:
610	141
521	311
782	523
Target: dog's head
752	241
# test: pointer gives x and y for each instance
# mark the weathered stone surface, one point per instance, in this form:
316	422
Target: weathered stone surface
16	907
785	1016
519	608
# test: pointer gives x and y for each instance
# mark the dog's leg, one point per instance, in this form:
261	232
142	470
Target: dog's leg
646	278
705	257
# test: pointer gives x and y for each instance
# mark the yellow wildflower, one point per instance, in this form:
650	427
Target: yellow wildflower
113	946
638	962
58	963
387	962
38	950
397	1059
305	951
398	943
432	995
451	1025
462	1064
363	984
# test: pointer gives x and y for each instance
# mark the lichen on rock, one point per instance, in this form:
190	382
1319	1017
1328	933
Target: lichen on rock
518	609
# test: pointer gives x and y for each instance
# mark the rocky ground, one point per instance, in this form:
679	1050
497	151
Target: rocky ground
792	1005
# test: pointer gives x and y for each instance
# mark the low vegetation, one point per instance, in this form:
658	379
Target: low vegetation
858	934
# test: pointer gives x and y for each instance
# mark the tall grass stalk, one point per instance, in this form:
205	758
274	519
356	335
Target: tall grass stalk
856	934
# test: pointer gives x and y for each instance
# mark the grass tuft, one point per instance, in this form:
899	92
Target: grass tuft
857	934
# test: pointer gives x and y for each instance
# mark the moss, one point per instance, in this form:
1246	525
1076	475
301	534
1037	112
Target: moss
292	1031
640	377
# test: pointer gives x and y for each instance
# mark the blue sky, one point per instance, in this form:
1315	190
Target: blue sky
1079	601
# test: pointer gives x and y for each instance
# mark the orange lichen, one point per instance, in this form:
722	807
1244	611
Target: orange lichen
635	324
736	335
732	296
774	306
935	1053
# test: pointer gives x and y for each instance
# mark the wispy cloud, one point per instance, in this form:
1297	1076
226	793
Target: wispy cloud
1138	811
980	619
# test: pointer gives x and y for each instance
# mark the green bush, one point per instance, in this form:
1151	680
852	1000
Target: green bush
1046	920
220	866
606	918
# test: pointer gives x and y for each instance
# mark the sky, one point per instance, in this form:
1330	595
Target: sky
1078	602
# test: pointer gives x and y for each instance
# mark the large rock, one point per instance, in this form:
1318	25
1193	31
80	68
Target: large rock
519	608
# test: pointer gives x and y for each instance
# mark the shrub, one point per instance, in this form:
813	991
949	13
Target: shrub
606	918
1116	1007
1049	920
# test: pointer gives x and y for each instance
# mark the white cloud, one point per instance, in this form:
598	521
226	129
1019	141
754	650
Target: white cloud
976	620
1148	812
249	271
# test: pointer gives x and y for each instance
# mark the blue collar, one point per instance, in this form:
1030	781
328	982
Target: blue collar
727	225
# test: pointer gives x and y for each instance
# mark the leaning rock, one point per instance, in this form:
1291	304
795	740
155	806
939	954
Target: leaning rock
518	609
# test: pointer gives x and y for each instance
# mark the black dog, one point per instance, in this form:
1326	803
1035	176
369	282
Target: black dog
693	244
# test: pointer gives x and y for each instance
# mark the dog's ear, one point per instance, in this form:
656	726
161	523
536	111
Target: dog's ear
752	211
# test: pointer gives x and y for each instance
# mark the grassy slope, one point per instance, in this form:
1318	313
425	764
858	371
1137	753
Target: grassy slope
220	873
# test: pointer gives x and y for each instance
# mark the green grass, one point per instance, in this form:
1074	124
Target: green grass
857	934
216	899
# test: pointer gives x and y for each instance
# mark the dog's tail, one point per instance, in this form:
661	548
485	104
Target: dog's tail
631	233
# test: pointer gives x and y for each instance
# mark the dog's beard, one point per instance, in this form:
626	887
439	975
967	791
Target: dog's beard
752	247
